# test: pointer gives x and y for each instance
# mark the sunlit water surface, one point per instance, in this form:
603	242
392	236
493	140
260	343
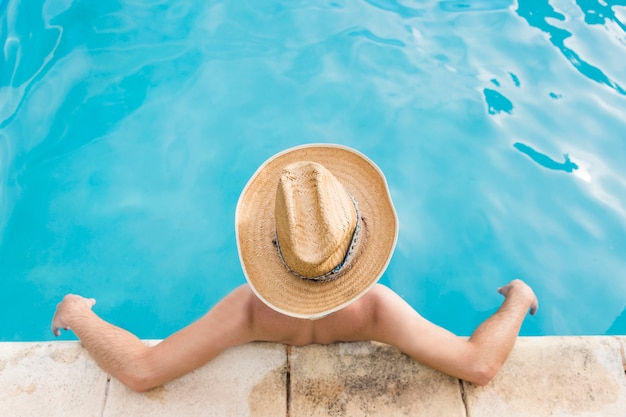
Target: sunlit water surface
128	129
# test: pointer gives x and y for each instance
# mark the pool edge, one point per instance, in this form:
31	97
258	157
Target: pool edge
544	376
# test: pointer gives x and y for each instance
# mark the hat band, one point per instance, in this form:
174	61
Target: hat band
359	237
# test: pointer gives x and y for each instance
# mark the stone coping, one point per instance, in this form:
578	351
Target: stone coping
544	376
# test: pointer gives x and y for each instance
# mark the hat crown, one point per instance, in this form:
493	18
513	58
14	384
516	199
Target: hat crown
315	219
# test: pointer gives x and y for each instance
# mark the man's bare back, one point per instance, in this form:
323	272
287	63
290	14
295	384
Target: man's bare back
380	315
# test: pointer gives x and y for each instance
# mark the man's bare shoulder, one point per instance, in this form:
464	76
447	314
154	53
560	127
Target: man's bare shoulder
241	298
381	300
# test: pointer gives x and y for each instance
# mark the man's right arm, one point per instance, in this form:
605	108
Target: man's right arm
125	357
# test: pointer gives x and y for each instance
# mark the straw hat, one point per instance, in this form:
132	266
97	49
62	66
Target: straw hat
315	228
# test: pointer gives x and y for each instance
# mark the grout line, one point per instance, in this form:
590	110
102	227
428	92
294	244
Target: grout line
288	382
621	349
464	398
106	394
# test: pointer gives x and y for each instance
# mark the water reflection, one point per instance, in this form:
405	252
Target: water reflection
538	14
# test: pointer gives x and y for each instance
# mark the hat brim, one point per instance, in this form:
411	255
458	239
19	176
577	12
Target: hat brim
255	230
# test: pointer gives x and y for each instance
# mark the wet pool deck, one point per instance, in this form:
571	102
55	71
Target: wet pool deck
545	376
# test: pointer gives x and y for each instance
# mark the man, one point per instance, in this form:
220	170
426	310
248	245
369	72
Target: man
316	228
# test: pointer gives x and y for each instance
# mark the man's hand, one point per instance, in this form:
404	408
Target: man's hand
71	306
517	287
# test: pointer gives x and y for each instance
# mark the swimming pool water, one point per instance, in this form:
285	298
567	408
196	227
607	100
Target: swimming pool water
128	129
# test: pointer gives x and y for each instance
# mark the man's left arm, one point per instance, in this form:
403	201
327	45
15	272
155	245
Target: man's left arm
476	359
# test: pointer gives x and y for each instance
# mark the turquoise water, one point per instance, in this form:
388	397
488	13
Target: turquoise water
128	129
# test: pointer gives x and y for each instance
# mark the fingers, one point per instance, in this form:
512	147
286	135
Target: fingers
518	286
70	306
57	330
56	326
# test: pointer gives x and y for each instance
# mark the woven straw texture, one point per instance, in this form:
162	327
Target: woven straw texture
255	228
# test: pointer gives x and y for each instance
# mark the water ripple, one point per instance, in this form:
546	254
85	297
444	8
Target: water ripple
474	5
26	58
139	121
396	7
539	14
544	160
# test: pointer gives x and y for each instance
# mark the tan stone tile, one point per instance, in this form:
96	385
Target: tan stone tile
249	380
49	379
368	379
555	376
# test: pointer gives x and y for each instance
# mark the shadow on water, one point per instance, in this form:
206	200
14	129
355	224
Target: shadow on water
544	160
538	14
